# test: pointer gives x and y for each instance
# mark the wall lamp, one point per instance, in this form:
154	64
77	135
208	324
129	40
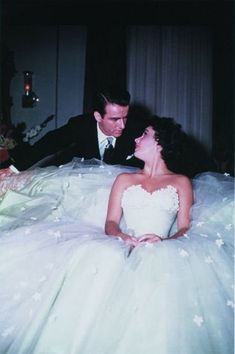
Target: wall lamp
29	98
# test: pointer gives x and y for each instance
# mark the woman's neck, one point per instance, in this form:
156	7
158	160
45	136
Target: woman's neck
156	168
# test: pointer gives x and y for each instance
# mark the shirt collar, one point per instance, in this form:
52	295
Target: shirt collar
102	137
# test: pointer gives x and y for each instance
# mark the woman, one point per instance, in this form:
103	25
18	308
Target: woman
155	177
68	288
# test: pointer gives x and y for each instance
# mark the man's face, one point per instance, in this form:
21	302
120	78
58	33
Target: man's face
114	120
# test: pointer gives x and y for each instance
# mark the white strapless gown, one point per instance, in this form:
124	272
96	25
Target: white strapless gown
66	288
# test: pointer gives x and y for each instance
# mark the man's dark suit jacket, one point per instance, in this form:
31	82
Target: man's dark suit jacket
77	138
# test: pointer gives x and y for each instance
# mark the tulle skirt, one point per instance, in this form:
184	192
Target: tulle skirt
66	288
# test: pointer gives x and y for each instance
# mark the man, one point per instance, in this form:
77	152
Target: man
87	136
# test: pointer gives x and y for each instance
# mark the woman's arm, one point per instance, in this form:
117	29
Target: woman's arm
114	213
185	192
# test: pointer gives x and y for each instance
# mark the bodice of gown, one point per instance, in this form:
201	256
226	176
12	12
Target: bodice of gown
146	212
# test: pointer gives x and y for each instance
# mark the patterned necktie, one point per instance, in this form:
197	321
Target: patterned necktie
108	151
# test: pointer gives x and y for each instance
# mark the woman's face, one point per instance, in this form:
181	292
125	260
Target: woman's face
146	145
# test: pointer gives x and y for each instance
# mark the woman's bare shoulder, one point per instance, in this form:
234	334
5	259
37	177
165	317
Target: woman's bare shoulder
183	178
181	181
126	177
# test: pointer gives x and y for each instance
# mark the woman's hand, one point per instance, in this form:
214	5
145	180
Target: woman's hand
130	240
150	238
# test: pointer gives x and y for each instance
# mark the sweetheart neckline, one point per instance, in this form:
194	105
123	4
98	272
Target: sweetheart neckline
153	192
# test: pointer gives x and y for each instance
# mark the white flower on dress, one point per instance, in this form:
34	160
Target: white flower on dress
33	218
209	260
219	242
198	320
37	296
200	223
203	235
7	331
230	303
183	253
228	227
57	234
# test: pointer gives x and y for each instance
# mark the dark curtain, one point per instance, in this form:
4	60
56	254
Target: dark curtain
8	71
223	89
105	59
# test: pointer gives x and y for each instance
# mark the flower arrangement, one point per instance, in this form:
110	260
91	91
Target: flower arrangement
11	135
7	143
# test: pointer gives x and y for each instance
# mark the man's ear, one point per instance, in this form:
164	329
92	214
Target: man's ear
97	116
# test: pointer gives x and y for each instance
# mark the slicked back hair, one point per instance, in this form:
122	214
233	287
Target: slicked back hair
110	96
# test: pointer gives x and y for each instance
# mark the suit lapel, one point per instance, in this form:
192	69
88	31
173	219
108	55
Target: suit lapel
93	144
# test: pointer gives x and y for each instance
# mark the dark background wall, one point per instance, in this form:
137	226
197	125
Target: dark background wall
104	56
56	56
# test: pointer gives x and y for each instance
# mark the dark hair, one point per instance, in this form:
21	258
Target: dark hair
170	136
110	95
